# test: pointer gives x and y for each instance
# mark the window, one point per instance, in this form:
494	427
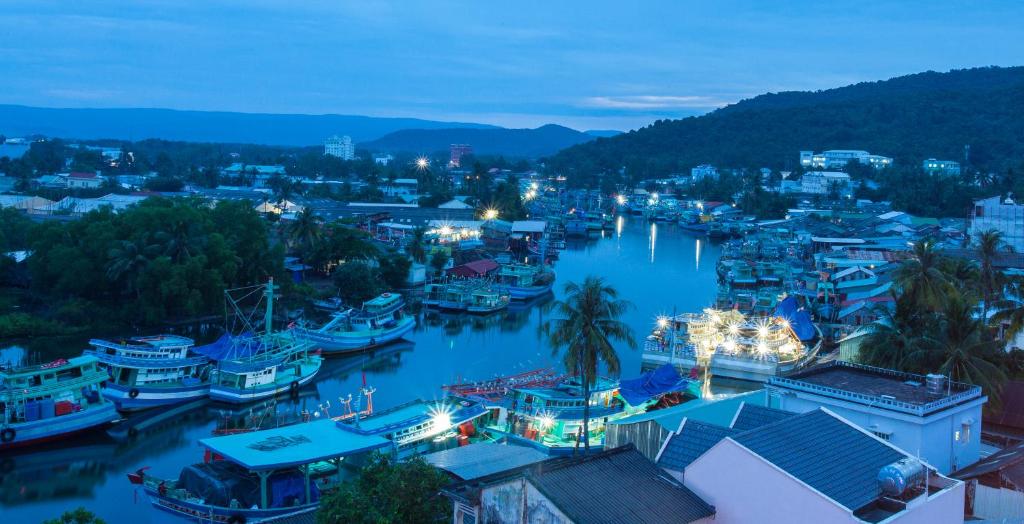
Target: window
964	435
884	435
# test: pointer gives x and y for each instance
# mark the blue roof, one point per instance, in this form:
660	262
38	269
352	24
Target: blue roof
751	416
692	441
713	411
826	453
483	458
293	445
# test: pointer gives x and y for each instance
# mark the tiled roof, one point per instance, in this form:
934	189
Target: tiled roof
826	453
690	442
619	485
752	416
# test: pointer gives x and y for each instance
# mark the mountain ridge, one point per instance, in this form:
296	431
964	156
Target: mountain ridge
540	141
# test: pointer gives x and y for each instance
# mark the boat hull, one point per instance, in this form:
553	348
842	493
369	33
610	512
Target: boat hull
39	431
205	513
146	398
241	396
526	293
340	343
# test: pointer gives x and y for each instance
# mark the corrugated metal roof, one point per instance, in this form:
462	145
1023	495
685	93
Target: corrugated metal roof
752	416
695	438
483	458
826	453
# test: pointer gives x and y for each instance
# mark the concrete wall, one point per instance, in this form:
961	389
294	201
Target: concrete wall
518	502
998	503
945	507
744	488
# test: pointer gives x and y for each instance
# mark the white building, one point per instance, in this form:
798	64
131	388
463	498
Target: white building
941	167
383	160
818	467
838	158
1005	216
822	182
340	146
704	171
929	417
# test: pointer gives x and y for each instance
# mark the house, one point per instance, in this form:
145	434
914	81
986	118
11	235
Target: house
824	182
819	467
934	418
704	171
83	181
32	205
454	204
475	269
401	186
615	485
995	486
534	229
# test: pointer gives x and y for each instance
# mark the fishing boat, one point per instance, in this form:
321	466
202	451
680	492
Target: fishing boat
257	364
524	282
50	401
478	296
381	320
152	371
420	426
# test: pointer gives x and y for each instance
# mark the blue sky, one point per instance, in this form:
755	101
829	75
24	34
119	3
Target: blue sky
589	65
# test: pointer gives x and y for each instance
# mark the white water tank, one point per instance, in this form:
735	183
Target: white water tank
895	478
936	384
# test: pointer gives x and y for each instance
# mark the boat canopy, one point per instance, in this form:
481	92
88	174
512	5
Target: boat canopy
799	319
291	446
227	347
664	379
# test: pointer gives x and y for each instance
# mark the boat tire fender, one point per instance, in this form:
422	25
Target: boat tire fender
294	387
236	519
8	434
134	393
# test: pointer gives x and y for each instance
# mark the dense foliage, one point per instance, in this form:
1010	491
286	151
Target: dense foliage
76	516
910	118
387	491
158	261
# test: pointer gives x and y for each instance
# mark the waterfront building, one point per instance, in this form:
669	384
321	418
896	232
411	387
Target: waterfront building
340	146
823	182
819	467
456	152
941	167
617	485
1003	215
928	416
838	158
704	171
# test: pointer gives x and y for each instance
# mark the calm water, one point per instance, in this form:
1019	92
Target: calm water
657	267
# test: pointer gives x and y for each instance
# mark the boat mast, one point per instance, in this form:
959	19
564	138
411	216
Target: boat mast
269	318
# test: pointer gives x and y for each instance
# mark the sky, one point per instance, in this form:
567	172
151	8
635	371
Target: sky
592	64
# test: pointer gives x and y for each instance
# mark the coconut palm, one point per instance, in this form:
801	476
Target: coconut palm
127	261
990	244
305	230
415	246
892	338
180	238
586	325
921	278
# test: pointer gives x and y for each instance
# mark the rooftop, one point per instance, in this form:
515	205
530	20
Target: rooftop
691	441
825	452
752	416
877	387
483	458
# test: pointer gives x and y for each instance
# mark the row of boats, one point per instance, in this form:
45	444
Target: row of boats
489	294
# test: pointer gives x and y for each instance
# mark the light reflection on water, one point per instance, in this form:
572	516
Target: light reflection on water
90	471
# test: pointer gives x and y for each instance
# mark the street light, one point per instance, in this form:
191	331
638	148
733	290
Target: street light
490	214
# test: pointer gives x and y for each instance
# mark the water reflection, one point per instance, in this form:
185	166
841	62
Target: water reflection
653	239
696	256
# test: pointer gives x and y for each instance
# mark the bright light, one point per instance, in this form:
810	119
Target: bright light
762	349
663	322
654	196
762	331
445	230
621	199
734	329
491	214
533	186
730	345
530	195
440	419
422	163
545	421
785	323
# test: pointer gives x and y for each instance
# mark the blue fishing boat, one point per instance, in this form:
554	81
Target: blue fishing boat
146	372
49	401
380	321
524	282
257	364
419	426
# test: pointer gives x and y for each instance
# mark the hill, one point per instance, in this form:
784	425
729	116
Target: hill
203	126
529	143
910	118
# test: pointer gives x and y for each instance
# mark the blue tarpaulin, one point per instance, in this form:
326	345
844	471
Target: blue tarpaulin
664	379
798	317
228	347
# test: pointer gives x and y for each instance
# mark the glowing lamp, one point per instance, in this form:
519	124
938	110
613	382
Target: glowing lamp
662	322
491	214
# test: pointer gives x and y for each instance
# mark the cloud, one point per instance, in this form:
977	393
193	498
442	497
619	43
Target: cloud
652	102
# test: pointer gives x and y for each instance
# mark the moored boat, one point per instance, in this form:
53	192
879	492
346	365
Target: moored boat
380	321
50	401
152	371
524	282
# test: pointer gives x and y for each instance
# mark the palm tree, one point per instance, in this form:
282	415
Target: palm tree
920	277
180	239
892	338
588	323
962	350
990	244
305	231
415	247
127	262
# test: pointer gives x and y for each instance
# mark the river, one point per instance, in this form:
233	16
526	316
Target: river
657	267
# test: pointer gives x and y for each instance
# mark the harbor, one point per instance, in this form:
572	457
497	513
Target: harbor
444	348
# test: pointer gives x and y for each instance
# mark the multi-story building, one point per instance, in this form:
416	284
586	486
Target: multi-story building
823	182
340	146
457	152
928	416
941	167
838	158
704	171
1003	215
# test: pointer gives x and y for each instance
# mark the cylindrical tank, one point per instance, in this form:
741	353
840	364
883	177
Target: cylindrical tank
936	384
895	478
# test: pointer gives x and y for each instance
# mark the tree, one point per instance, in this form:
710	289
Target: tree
394	270
587	324
990	244
305	231
892	338
921	278
415	246
126	264
357	282
438	260
77	516
389	491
